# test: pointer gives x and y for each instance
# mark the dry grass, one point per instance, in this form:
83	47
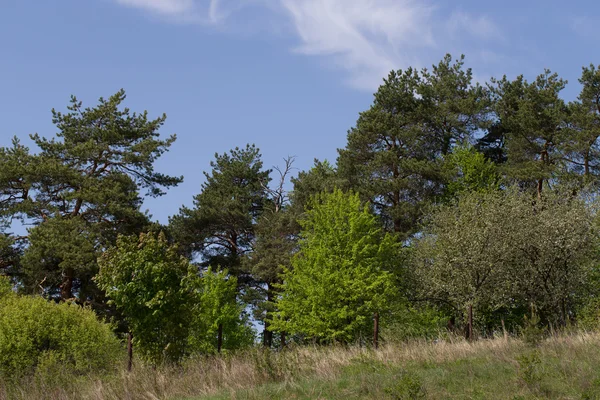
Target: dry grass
441	369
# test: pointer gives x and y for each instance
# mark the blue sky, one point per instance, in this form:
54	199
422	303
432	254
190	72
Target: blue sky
290	76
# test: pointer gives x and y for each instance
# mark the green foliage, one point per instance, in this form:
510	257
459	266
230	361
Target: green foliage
152	285
503	250
220	226
216	305
411	322
321	177
588	317
10	254
35	333
80	190
532	117
5	287
532	332
530	367
340	276
583	148
395	153
72	246
407	387
470	171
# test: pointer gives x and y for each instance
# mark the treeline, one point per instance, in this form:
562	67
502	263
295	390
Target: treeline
453	203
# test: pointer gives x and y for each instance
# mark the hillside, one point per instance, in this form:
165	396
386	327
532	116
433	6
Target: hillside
565	367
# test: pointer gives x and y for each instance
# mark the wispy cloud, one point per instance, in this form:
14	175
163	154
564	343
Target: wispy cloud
363	38
166	7
366	38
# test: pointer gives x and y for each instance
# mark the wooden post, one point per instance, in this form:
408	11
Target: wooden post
504	331
220	338
470	324
129	351
282	339
376	331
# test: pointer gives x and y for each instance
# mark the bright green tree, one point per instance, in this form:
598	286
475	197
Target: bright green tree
152	285
468	170
217	309
341	275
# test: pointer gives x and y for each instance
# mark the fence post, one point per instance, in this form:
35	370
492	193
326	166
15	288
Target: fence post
376	331
470	324
129	351
220	338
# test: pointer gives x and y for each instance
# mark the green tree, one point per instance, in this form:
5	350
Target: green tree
153	286
582	151
394	154
220	226
217	309
276	233
81	186
469	170
502	250
321	177
341	275
532	117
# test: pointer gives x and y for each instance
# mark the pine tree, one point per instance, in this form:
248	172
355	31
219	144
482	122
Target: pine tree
80	190
393	156
220	227
533	118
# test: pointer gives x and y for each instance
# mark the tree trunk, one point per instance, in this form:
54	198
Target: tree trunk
469	330
376	331
267	334
66	288
283	344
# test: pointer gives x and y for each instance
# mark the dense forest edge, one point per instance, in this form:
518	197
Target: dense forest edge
459	224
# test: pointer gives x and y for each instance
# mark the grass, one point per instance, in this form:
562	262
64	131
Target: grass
566	367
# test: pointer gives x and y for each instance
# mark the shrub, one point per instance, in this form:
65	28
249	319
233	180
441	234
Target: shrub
35	333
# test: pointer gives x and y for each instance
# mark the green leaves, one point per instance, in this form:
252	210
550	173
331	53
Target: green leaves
504	250
220	227
394	154
150	283
79	191
216	305
34	331
340	276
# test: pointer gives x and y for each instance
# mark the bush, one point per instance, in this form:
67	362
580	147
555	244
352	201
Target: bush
35	333
410	322
588	317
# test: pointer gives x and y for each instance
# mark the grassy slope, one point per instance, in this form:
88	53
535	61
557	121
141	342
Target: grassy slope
562	368
565	368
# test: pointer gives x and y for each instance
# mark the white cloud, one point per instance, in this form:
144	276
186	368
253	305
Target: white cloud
363	38
166	7
366	38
